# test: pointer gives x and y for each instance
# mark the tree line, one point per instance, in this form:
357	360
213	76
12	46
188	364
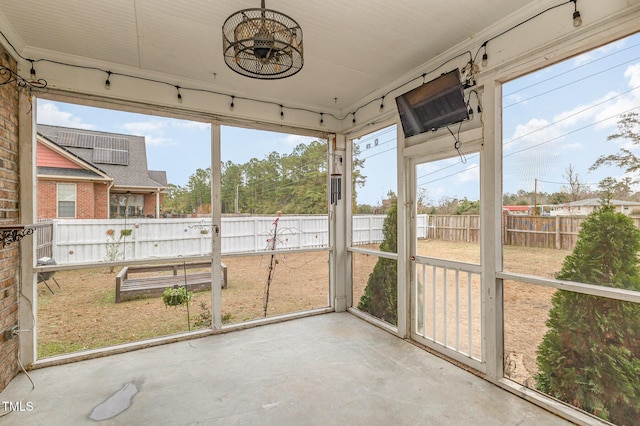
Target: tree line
294	183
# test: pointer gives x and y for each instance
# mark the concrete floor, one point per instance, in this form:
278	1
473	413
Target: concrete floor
327	369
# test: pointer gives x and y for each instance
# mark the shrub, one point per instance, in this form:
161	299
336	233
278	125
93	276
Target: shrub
380	296
176	296
590	355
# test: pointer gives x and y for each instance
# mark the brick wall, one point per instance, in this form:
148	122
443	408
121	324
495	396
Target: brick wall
46	199
91	200
101	209
9	214
150	204
85	201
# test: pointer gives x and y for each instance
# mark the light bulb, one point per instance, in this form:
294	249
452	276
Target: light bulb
232	105
32	72
577	19
485	59
107	84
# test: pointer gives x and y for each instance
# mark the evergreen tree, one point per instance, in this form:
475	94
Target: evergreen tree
590	356
380	297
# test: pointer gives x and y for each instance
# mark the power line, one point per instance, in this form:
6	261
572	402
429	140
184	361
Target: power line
571	70
374	135
572	115
570	84
530	147
569	133
474	156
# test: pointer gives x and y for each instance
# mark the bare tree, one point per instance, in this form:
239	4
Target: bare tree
576	188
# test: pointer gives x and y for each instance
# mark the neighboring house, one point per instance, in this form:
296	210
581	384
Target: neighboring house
83	174
517	210
584	207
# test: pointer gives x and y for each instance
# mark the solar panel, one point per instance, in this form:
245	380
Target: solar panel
77	140
106	149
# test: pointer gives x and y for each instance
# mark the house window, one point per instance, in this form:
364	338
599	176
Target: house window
66	200
126	205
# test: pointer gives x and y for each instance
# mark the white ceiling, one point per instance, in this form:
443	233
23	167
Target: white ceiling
352	48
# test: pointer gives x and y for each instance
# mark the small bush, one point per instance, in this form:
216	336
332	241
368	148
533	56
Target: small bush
380	297
176	296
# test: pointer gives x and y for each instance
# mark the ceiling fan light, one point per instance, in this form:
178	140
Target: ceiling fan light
262	43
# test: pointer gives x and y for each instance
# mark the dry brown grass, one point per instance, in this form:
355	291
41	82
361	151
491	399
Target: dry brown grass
526	306
83	315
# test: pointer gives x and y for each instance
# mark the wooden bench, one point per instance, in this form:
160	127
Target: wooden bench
127	287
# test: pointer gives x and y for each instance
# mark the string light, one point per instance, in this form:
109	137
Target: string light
577	19
107	84
485	57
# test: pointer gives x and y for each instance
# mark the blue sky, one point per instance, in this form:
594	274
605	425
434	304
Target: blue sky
178	146
553	118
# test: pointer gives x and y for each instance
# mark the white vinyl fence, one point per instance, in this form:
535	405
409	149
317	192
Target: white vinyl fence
97	240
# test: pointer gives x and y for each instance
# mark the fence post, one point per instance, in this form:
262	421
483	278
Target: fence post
136	243
505	227
558	241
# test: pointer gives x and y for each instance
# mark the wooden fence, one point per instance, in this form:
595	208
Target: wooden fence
454	228
557	232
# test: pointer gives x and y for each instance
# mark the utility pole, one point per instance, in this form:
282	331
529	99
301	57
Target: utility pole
237	186
535	197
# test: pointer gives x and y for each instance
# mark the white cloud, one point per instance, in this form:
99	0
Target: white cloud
48	113
602	113
155	131
599	52
144	128
533	133
160	141
184	124
512	99
470	174
295	140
